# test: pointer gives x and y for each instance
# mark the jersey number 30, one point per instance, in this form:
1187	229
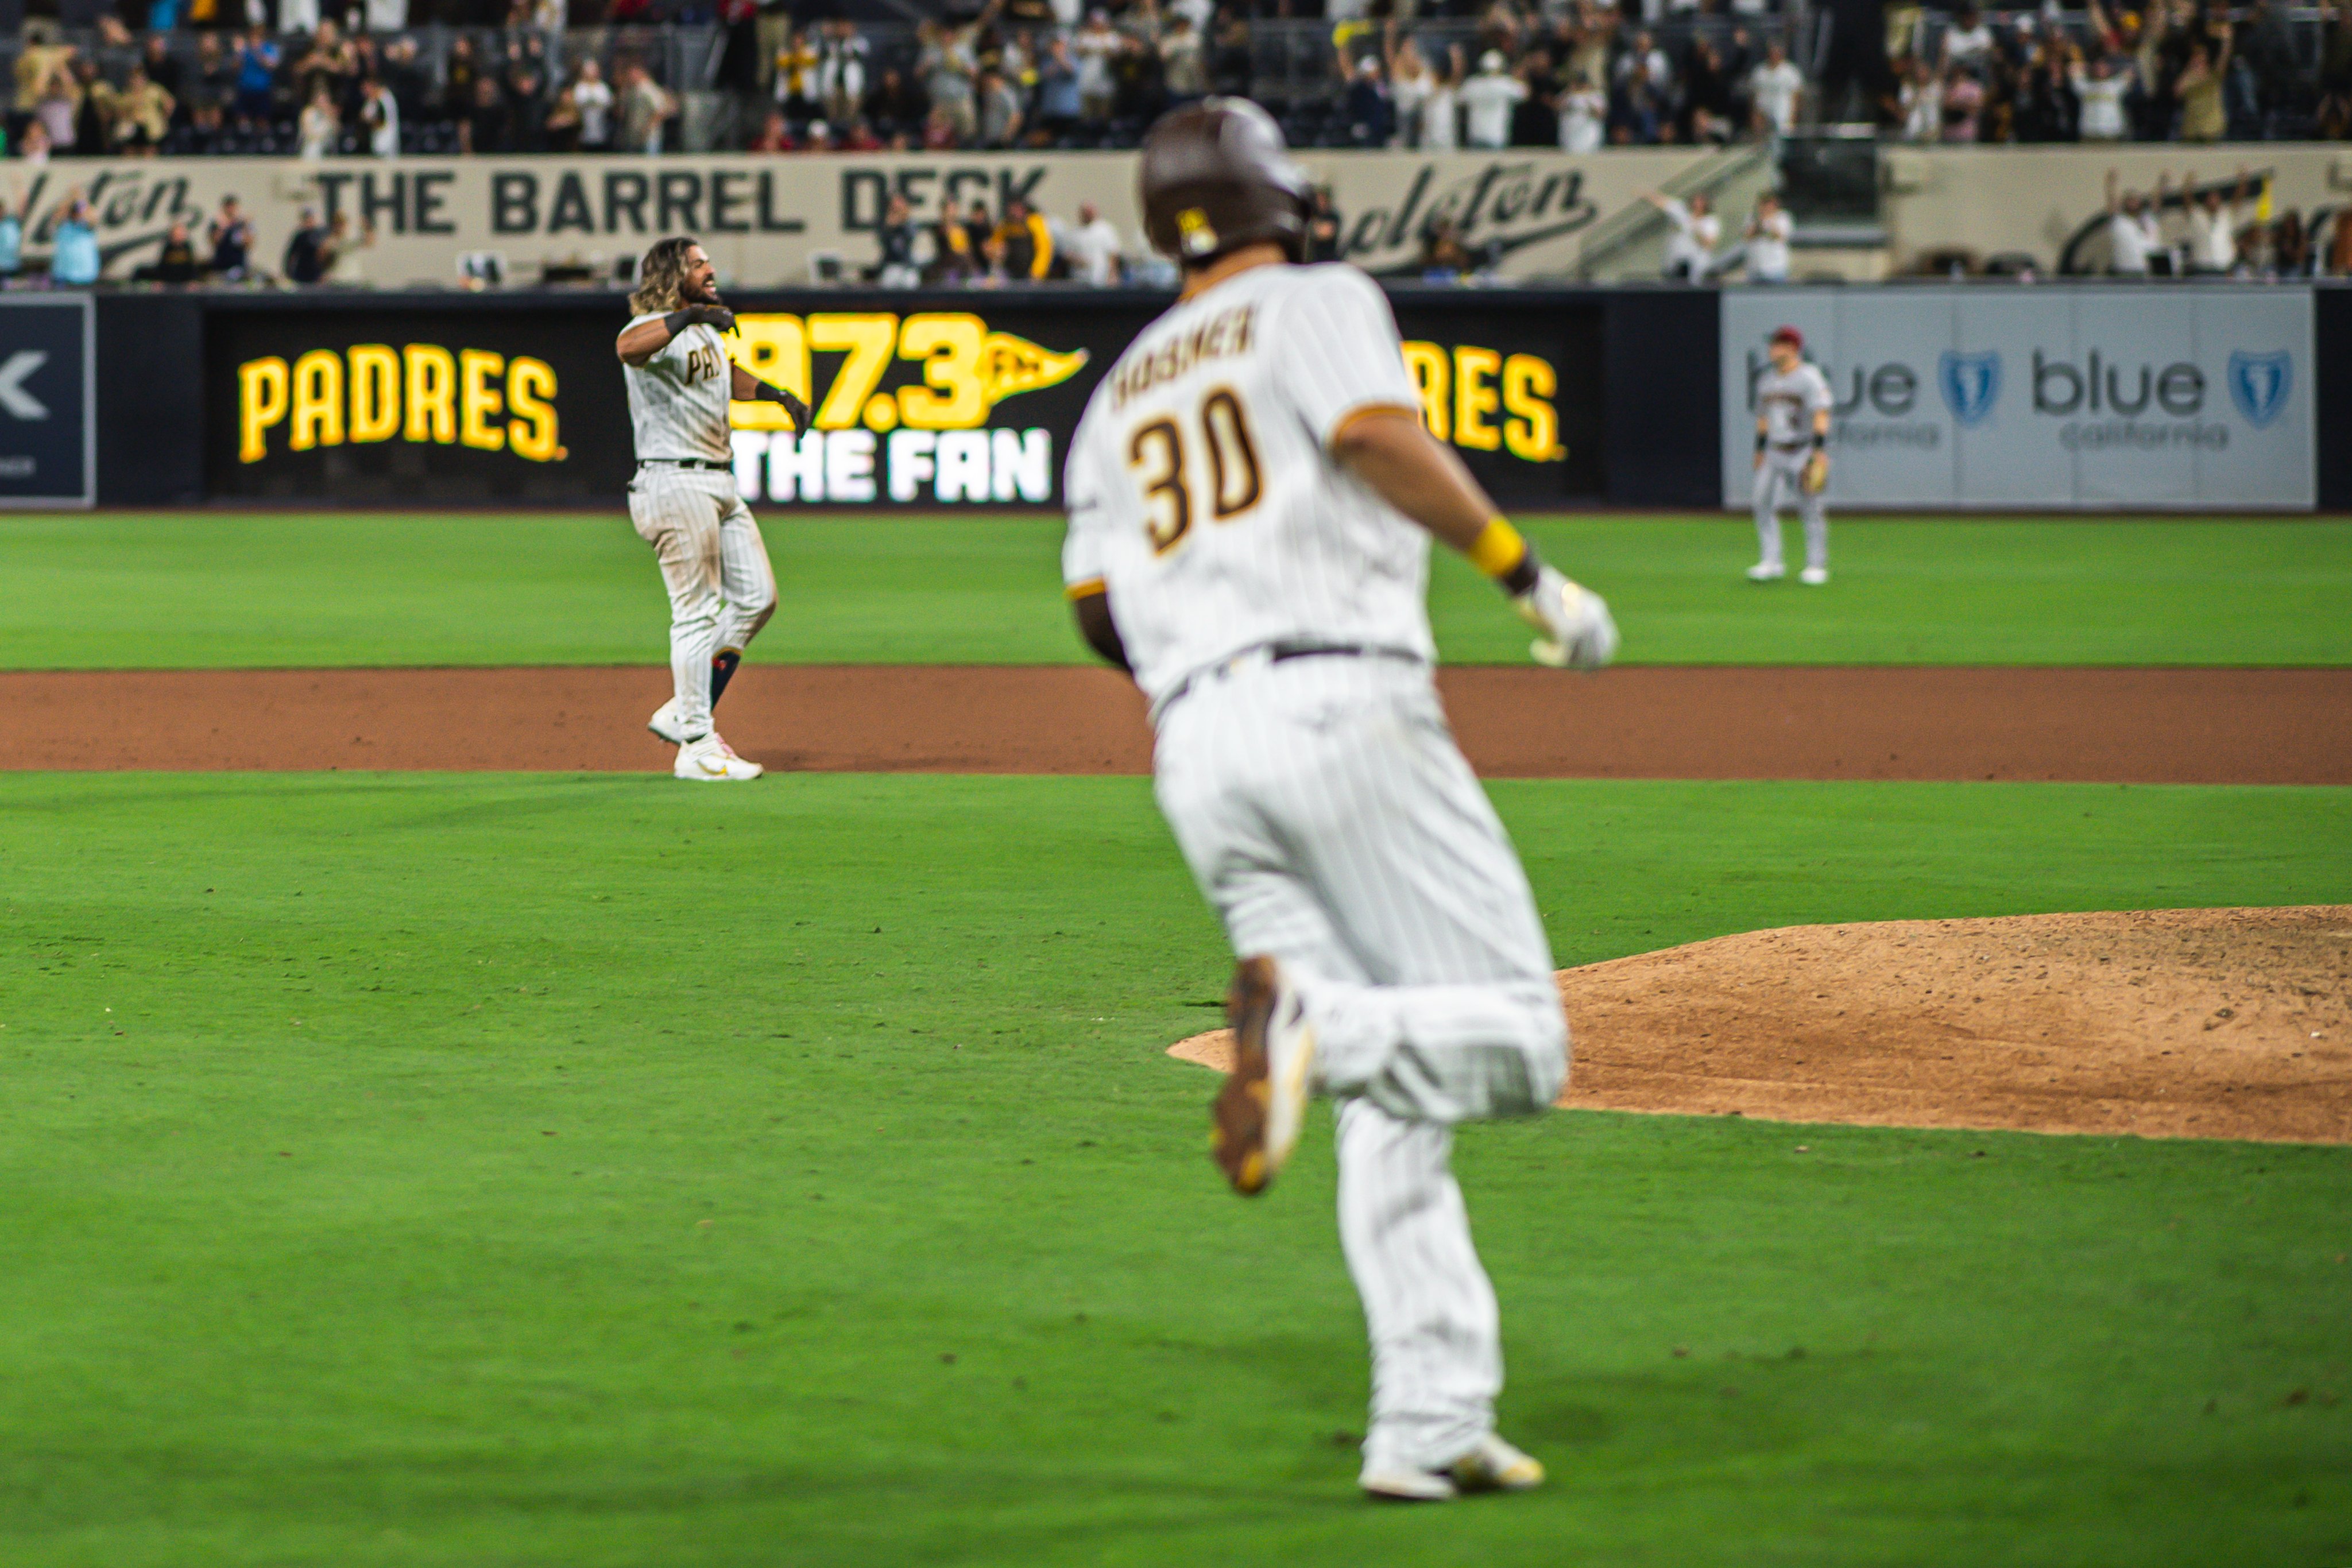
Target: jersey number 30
1157	449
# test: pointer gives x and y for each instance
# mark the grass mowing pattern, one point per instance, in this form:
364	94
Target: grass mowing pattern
562	1170
119	590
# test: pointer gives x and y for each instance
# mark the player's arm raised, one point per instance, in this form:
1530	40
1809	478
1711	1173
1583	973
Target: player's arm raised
749	388
641	342
1389	451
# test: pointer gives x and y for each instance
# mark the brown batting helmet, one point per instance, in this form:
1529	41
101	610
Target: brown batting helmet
1216	176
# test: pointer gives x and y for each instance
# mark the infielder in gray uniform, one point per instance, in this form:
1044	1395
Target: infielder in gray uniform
683	499
1792	433
1251	497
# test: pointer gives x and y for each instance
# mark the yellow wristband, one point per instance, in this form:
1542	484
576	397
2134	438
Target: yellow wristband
1497	549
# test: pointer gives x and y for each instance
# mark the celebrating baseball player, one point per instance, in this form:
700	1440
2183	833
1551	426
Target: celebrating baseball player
1251	497
683	499
1792	434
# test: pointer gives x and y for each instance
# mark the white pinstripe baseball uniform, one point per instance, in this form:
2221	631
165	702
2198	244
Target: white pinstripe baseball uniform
683	503
1318	796
1787	404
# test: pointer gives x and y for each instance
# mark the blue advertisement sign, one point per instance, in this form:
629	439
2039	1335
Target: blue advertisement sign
47	415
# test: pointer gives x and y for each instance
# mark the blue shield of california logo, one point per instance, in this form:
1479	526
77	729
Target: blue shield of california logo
1971	385
2259	384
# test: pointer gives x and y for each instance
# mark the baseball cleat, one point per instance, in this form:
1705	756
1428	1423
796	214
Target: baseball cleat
1813	576
1492	1465
1255	1120
710	760
664	723
1766	571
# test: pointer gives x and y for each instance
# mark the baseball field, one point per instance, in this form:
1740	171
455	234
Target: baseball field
434	1135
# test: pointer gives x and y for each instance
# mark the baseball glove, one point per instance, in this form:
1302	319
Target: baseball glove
1575	627
1816	477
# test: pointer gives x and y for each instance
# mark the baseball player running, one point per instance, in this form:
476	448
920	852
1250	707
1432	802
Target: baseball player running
683	499
1792	433
1251	498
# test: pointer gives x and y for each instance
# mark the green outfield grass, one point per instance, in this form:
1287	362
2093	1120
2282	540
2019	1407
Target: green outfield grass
287	589
579	1171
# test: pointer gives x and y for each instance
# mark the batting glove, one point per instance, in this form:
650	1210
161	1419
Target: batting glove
1576	631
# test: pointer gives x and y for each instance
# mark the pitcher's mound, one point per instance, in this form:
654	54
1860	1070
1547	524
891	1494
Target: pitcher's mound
2201	1023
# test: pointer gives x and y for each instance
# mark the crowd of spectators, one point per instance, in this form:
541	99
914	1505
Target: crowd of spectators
2183	71
1046	74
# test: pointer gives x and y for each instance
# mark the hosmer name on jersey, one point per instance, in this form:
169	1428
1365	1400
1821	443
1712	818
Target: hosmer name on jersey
1227	333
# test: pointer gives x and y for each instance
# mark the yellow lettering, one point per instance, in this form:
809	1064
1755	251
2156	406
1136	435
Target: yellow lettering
1432	373
432	413
775	349
260	403
531	434
317	401
950	345
375	392
1474	397
868	341
1533	430
478	401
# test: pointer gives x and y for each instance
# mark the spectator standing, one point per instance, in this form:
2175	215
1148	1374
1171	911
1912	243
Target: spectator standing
231	237
58	101
1487	100
1920	101
2213	226
1096	46
1057	92
897	106
593	95
175	262
1095	248
379	119
1583	116
306	252
1441	112
319	127
256	79
1184	64
1323	241
2101	90
2131	231
1964	99
999	108
1776	88
1371	115
142	114
897	239
12	232
946	66
1690	249
841	71
1968	42
1026	242
73	259
2199	88
646	109
1768	235
561	132
1410	80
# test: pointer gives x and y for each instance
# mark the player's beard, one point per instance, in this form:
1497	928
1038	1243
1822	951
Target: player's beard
706	295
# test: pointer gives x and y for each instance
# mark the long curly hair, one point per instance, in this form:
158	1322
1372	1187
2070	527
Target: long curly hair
660	276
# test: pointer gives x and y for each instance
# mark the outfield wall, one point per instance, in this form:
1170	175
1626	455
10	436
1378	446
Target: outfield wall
1948	398
1554	399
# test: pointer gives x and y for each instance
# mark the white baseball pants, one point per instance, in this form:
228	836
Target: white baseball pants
721	589
1327	815
1784	471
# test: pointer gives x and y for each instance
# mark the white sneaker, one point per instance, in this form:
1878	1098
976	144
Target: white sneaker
1766	571
709	760
1258	1112
664	723
1813	576
1492	1465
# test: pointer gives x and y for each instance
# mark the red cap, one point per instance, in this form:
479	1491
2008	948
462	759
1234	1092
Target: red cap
1789	335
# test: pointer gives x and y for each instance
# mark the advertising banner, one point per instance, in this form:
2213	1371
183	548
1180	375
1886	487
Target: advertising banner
764	219
919	401
2086	397
47	394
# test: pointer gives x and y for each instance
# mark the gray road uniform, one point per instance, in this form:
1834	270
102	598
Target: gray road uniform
1787	404
683	503
1273	608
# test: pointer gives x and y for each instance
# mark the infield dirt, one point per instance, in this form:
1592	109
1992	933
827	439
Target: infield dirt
2200	1023
2204	726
